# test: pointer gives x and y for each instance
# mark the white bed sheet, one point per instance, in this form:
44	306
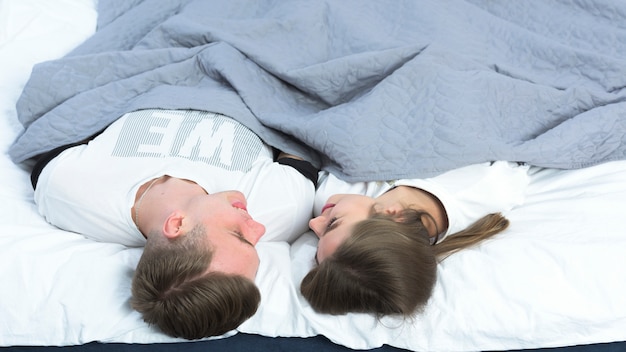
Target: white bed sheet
556	277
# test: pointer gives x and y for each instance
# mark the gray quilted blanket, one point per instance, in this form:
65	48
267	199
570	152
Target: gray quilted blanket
367	89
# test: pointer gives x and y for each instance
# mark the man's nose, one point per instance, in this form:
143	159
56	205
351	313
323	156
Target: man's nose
256	230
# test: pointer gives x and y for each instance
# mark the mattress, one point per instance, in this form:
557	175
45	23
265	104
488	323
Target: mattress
555	278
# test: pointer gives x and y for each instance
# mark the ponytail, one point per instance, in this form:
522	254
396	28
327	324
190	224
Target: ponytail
484	228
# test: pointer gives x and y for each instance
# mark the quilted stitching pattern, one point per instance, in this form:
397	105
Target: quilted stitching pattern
369	89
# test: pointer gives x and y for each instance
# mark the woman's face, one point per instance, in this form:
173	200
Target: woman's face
334	225
343	211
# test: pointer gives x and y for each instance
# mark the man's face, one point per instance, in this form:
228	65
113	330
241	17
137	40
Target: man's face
231	231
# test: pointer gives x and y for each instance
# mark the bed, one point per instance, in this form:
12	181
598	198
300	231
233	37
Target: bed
554	280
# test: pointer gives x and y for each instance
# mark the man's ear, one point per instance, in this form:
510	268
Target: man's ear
173	224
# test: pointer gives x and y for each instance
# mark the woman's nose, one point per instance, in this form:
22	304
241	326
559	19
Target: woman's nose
316	225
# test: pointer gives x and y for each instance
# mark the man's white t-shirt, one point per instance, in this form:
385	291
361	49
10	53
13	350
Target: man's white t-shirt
90	189
467	193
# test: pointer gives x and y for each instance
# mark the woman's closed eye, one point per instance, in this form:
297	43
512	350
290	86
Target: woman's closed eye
332	224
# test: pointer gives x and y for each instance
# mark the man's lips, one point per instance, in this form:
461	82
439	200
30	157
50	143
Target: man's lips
240	205
327	206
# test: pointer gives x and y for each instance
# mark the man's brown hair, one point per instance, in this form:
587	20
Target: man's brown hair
173	289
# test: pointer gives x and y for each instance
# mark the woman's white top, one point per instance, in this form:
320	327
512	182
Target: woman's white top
467	193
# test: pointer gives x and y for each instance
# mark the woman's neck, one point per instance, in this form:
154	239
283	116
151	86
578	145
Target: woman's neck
417	199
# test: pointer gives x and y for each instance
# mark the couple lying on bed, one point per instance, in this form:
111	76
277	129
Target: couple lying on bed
180	183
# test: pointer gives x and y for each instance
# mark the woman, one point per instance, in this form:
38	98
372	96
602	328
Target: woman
379	242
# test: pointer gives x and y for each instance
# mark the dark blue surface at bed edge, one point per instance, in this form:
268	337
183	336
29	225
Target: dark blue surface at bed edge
247	342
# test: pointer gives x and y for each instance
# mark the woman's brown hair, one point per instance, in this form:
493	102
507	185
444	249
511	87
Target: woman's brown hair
387	266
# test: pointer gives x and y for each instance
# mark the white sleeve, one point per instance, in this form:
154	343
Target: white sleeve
329	184
282	200
471	192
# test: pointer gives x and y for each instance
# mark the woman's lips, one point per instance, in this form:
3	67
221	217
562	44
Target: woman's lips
327	206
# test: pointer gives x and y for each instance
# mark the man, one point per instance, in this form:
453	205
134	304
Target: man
189	186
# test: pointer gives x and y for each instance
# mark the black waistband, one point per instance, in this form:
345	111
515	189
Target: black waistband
303	167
